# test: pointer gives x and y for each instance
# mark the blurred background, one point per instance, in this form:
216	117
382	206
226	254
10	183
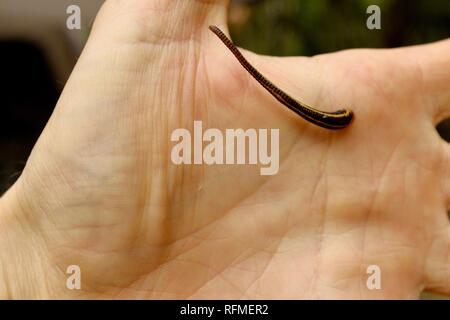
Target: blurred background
38	52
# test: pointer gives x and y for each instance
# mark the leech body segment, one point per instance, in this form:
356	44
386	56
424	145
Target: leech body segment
330	120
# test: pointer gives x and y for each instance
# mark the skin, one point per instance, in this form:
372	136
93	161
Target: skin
99	189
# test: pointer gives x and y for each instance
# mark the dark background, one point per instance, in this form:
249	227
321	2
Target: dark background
30	87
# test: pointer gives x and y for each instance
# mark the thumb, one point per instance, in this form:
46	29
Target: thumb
156	21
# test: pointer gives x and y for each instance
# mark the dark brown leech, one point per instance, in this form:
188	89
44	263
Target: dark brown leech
330	120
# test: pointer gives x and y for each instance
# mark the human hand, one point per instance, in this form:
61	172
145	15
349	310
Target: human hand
100	191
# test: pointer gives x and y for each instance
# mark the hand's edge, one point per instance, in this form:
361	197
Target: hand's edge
21	262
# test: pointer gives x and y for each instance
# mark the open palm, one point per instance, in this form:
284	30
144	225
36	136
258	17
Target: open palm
100	190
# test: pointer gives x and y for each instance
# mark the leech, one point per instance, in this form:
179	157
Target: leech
330	120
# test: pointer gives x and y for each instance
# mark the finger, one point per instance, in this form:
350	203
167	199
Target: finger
437	270
442	169
158	21
446	175
431	65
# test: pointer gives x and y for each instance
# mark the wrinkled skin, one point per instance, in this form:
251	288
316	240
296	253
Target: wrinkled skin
100	191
